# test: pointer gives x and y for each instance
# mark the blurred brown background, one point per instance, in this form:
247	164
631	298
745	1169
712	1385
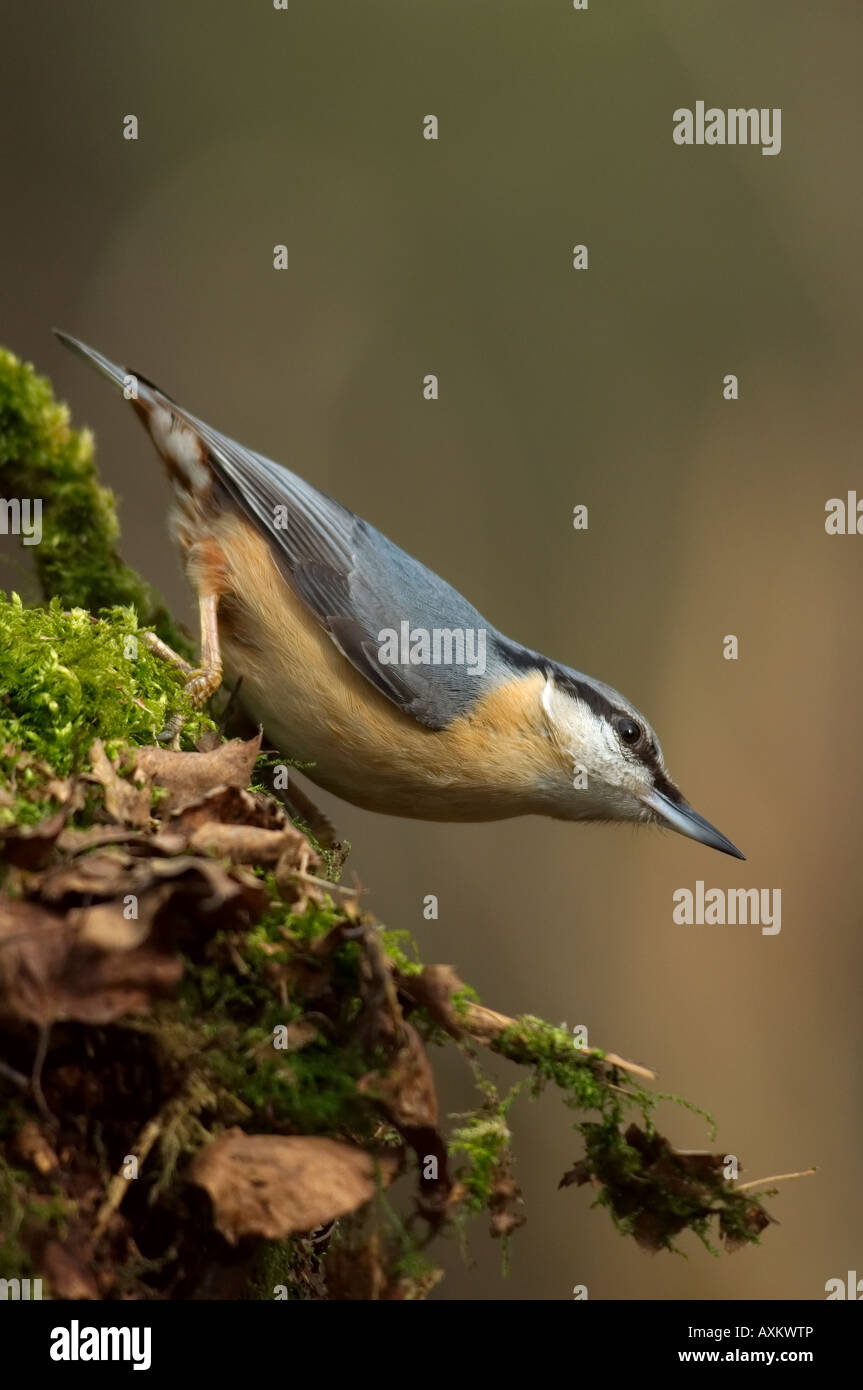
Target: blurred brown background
604	387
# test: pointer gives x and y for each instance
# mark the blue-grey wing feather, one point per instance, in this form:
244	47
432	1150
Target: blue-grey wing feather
357	583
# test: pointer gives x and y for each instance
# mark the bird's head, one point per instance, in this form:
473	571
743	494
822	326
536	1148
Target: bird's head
613	761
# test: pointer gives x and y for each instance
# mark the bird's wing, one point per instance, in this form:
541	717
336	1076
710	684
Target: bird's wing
358	584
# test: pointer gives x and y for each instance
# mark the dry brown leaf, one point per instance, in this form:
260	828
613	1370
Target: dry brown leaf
232	806
31	846
406	1090
577	1175
302	1032
47	975
104	874
174	899
756	1221
79	841
505	1205
66	1273
124	801
66	790
32	1147
108	927
249	844
221	898
275	1185
188	777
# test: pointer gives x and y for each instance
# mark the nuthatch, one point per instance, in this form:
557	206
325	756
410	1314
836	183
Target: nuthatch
363	663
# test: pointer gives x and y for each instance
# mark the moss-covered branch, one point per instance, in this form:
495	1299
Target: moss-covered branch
42	457
215	1073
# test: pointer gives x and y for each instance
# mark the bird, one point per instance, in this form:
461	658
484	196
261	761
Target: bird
377	676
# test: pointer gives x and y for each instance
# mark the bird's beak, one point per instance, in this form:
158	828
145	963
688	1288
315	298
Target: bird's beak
677	815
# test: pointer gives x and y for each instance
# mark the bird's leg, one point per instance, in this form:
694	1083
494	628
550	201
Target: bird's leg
205	680
202	681
171	732
166	653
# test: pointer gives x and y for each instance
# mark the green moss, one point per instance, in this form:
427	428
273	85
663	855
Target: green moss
484	1140
41	456
397	944
14	1261
312	1090
463	998
315	922
553	1058
278	1264
67	678
655	1202
21	1213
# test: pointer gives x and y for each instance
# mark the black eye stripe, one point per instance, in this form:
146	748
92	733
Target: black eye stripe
666	786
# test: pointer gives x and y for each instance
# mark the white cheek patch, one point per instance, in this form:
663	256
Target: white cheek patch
547	697
573	727
592	745
181	445
599	747
570	721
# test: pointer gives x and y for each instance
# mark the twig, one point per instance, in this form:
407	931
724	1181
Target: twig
779	1177
434	990
614	1061
325	883
119	1185
14	1076
36	1075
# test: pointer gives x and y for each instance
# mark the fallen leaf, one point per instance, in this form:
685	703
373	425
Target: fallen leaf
755	1221
576	1176
249	844
406	1090
109	927
103	874
47	975
32	1147
275	1185
232	806
187	777
124	801
31	846
300	1033
505	1205
79	841
175	900
66	1273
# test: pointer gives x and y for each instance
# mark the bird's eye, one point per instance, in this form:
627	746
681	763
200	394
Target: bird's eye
629	731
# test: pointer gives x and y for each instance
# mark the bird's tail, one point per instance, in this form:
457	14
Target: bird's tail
175	433
138	391
115	374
